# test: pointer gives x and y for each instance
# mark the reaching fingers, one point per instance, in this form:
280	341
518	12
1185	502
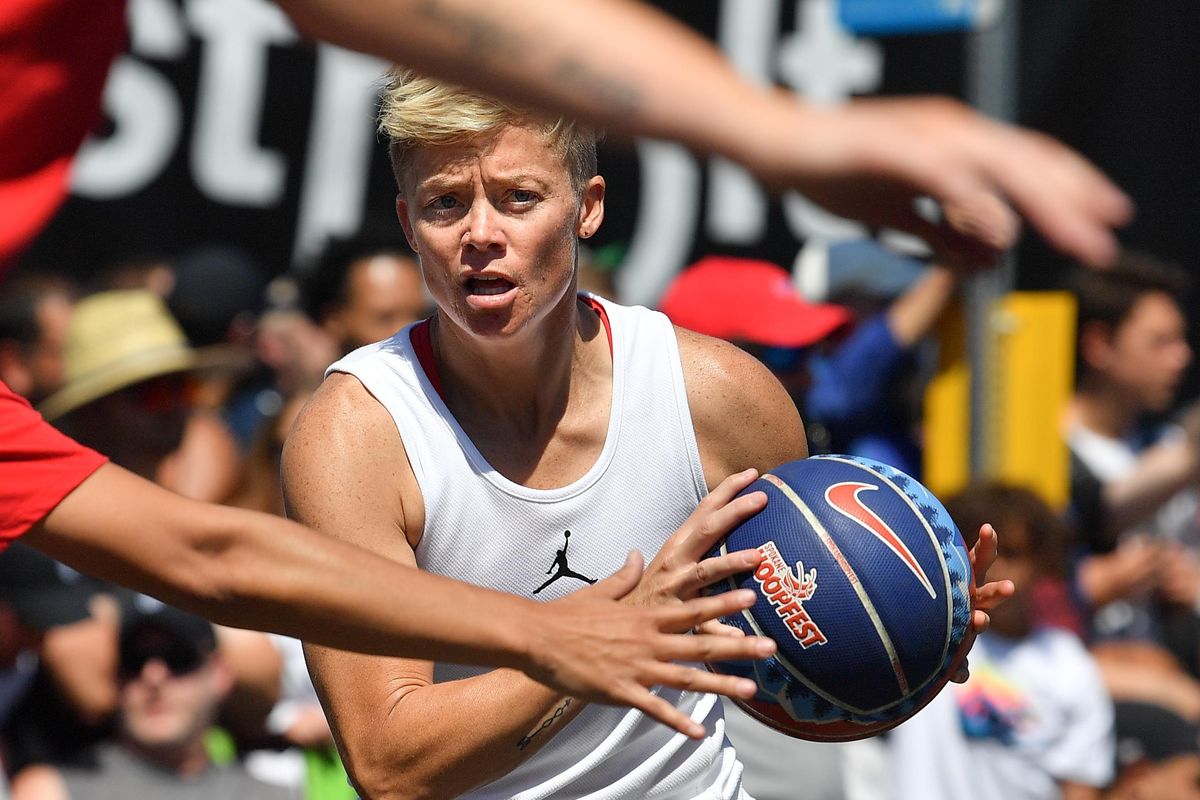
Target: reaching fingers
956	249
698	679
980	621
992	594
717	628
979	229
653	706
711	524
715	569
974	166
710	648
691	614
1068	200
620	583
1088	185
984	552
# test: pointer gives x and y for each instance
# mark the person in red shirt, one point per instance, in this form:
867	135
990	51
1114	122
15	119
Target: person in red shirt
39	467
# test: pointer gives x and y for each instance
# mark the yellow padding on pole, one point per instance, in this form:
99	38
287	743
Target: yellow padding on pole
1030	380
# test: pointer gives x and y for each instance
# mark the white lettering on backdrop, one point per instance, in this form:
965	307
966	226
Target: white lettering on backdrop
229	164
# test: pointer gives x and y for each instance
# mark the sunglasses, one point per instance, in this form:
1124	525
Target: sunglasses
165	394
180	659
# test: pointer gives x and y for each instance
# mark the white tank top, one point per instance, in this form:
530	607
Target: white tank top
484	529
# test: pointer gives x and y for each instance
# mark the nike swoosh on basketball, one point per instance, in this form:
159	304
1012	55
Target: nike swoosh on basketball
845	498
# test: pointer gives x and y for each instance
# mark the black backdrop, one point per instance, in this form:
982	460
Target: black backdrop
1118	79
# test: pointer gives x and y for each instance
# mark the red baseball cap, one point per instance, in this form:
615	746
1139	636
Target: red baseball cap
747	300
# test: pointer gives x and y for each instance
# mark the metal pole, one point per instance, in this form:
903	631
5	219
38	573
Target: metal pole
992	59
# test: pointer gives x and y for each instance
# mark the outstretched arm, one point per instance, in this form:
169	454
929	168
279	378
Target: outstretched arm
632	69
913	314
254	570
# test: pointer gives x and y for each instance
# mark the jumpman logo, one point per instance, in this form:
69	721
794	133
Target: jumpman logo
560	568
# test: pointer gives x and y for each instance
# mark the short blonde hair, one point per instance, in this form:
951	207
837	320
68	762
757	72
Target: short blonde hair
416	111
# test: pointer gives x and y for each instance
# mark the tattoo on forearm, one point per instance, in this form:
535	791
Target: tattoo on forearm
489	42
527	739
623	99
482	39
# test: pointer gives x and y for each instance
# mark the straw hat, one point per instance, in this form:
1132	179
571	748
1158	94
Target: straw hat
117	339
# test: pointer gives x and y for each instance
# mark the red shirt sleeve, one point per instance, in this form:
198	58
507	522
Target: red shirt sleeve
38	466
54	59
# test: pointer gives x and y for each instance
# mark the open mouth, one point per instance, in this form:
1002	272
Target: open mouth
488	285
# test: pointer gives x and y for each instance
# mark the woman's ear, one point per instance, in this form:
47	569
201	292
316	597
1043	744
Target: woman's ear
405	224
591	209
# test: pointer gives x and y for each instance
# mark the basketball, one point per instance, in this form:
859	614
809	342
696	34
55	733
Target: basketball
865	588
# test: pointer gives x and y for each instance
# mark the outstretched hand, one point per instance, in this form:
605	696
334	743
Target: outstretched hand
680	570
593	647
613	641
984	596
871	160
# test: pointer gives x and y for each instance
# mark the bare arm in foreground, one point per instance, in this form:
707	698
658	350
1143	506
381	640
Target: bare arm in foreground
632	69
254	570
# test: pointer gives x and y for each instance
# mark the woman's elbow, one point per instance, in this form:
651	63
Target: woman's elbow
378	778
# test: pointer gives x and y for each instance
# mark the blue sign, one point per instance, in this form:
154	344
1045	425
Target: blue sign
892	17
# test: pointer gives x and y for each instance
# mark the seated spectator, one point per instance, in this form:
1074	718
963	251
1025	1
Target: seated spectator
754	305
290	354
1158	755
363	289
217	295
129	393
846	379
216	298
35	310
60	696
1134	478
260	488
1034	720
172	682
129	389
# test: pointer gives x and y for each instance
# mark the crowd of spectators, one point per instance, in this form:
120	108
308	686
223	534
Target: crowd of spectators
1086	685
189	372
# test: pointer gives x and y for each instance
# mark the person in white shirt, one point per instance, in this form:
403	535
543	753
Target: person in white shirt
1034	721
524	438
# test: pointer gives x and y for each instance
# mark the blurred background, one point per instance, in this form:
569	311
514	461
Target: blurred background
235	216
221	115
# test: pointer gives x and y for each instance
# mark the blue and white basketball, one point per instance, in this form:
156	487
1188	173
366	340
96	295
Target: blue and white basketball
865	586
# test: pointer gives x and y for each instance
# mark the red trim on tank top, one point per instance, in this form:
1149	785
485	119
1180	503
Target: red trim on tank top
422	343
594	305
423	347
